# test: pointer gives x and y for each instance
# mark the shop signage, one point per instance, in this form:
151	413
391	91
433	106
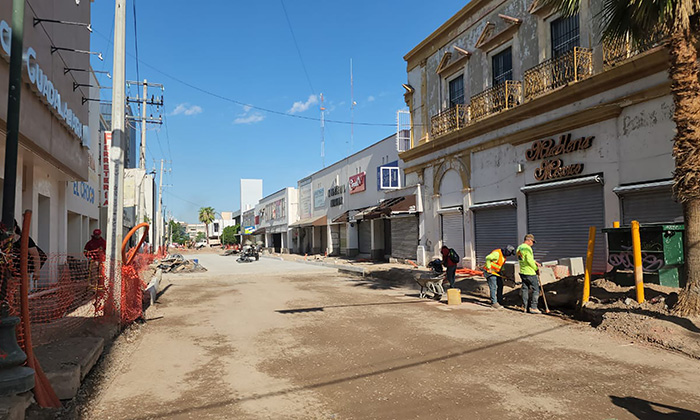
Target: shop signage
336	195
248	230
85	191
554	168
319	198
274	210
357	183
305	199
105	167
43	87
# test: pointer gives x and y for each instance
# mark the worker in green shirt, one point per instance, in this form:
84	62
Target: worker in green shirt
529	274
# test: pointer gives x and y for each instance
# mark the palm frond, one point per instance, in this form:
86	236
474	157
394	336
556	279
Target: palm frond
566	7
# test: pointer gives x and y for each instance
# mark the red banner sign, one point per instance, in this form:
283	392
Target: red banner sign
105	167
357	183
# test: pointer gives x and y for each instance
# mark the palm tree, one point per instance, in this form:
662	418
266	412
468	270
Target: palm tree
636	20
206	216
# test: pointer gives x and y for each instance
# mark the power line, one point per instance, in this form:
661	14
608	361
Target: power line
270	111
289	23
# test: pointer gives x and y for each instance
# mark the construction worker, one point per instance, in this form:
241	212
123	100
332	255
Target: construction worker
494	278
529	274
448	260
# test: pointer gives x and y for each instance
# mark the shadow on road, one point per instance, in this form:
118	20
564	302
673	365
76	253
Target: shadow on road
347	378
321	308
647	410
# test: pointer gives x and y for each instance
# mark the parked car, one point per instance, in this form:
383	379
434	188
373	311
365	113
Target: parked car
200	244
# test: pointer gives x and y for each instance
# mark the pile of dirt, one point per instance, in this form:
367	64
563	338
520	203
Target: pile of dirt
176	263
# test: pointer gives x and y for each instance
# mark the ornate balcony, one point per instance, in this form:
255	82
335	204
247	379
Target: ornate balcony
449	120
503	96
617	51
556	72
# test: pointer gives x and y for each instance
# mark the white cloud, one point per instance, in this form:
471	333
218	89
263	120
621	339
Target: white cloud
370	99
186	109
247	108
249	119
303	106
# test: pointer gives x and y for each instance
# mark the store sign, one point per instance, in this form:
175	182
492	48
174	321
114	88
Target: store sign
43	87
274	210
305	199
319	198
357	183
85	191
336	195
549	148
248	230
105	167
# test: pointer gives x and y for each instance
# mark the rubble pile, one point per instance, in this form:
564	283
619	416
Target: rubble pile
176	263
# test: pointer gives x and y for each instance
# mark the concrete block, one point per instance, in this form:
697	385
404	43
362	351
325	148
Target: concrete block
547	275
68	361
575	265
421	256
561	271
15	406
511	269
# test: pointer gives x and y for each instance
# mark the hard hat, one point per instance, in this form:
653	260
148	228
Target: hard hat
96	232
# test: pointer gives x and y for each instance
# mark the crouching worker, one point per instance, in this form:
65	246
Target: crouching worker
494	278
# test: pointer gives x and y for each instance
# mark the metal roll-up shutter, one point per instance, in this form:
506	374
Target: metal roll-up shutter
365	236
387	237
494	228
335	239
559	218
404	237
343	239
655	206
453	231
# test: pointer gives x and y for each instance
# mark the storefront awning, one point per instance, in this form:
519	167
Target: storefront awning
561	184
393	207
348	216
502	203
259	231
312	221
647	186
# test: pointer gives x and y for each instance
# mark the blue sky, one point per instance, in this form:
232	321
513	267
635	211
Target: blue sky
215	56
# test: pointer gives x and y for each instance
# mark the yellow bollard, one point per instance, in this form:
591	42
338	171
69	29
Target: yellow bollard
637	253
616	224
454	297
589	266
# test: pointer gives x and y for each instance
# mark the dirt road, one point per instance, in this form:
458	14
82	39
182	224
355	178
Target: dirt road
281	340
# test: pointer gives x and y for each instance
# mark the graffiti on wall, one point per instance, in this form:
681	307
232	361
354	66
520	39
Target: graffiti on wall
624	260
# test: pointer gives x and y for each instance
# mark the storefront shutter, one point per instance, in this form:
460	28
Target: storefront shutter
494	228
335	239
365	236
655	206
559	218
453	231
404	237
343	239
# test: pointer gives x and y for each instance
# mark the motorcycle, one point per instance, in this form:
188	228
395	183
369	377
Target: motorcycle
249	254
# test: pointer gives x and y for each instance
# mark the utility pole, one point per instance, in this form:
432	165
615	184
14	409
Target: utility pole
115	206
159	228
144	119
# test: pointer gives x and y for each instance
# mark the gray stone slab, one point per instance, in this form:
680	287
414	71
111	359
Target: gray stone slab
68	361
14	407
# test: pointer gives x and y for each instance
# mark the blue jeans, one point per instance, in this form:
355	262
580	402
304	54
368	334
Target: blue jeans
495	287
451	275
531	283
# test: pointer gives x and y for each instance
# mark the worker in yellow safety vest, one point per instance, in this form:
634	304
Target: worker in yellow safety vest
492	270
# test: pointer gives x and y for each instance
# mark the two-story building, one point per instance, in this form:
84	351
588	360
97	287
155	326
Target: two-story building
275	213
524	122
359	206
54	138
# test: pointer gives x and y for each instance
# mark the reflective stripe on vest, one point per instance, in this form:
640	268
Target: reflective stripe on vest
495	267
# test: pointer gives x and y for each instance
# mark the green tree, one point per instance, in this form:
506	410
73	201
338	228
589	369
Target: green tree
179	232
228	236
637	20
206	216
200	237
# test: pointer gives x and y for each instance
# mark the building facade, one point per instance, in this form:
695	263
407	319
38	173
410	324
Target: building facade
55	141
274	214
359	206
523	122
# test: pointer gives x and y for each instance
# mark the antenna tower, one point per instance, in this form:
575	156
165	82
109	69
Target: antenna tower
352	110
323	139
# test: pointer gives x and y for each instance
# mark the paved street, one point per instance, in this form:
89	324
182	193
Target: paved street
274	340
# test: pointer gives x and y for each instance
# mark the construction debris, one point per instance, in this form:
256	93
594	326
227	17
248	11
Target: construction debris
176	263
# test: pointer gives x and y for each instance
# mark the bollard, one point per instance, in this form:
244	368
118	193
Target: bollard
589	266
637	253
454	297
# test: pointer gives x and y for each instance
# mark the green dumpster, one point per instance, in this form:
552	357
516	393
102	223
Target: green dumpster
662	254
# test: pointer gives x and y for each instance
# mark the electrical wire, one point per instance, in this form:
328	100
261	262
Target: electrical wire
289	23
237	102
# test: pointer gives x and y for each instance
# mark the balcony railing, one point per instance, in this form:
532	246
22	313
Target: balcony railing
617	51
504	96
449	120
573	66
